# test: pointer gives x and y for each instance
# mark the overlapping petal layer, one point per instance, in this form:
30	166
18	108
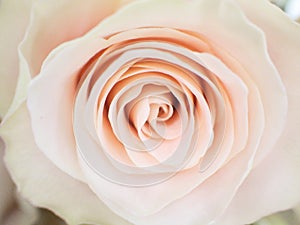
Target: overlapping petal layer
214	101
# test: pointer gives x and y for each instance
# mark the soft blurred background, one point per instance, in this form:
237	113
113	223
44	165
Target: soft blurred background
291	7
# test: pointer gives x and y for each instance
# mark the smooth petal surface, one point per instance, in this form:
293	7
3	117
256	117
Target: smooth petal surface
279	173
44	184
14	18
56	22
51	24
53	109
275	184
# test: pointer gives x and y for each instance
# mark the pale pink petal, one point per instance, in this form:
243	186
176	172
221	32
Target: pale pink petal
43	184
45	33
50	103
274	185
205	206
271	187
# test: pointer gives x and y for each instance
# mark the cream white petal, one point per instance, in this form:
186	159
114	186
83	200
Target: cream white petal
43	183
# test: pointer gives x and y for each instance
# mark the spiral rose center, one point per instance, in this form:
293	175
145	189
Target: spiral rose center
156	107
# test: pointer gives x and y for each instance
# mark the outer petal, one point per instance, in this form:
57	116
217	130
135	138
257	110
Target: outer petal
43	184
56	22
53	23
14	17
13	209
275	184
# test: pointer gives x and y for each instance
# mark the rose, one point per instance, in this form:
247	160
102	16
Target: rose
219	78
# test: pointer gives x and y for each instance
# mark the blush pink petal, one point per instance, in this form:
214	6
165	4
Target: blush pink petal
58	83
271	187
274	185
282	38
14	18
44	184
40	40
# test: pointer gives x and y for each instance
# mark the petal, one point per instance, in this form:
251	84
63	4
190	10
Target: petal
271	187
14	17
43	184
51	24
56	22
274	185
13	209
282	35
52	122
